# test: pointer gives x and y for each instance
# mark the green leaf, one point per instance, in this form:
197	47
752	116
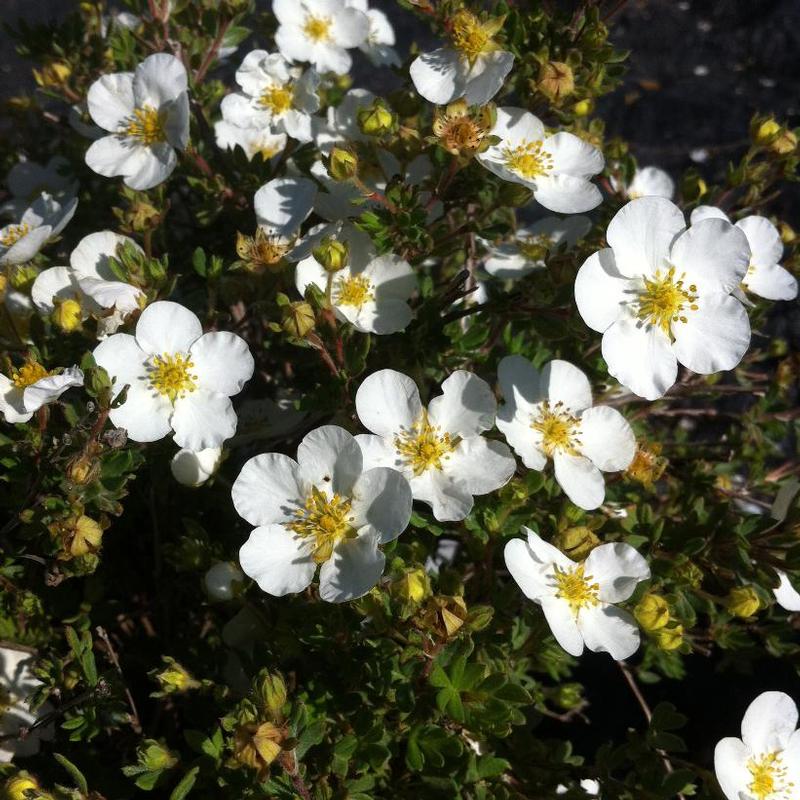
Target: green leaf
186	784
74	772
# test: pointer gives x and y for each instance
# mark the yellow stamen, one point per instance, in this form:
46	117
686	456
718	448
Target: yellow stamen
353	291
664	298
170	376
277	99
424	447
558	427
471	37
14	233
317	28
145	125
576	588
769	777
28	374
528	159
327	520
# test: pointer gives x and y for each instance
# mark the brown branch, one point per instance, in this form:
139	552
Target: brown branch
135	721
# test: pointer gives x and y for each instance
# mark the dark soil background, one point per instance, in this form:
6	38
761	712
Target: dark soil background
699	69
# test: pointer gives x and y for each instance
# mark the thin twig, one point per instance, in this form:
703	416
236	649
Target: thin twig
135	721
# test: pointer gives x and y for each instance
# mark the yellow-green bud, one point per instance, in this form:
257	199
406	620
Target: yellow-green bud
414	586
787	232
52	75
652	612
332	254
555	80
67	315
576	542
669	638
271	694
785	144
175	679
743	601
343	164
298	319
155	756
19	787
766	131
569	696
583	108
23	276
376	119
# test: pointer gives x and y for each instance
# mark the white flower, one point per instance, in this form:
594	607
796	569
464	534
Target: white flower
323	509
512	260
661	294
147	115
378	46
371	292
178	378
648	182
473	66
765	277
320	32
194	468
251	140
557	168
340	123
41	222
221	580
283	204
439	448
787	596
26	180
578	597
274	95
31	386
589	786
549	414
765	763
89	280
17	682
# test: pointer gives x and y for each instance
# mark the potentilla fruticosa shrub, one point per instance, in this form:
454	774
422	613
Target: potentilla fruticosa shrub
376	427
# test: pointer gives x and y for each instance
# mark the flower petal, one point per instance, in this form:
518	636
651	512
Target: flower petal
277	560
167	327
354	568
90	257
766	247
466	407
330	456
203	419
486	77
159	79
607	439
564	383
382	500
608	629
581	480
601	291
110	100
145	414
571	155
46	390
617	568
449	500
125	362
56	283
283	204
563	624
730	765
769	722
787	596
528	573
480	465
222	362
440	77
707	212
387	402
269	489
772	282
566	194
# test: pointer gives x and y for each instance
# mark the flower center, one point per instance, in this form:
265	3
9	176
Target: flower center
664	298
528	159
576	588
469	37
277	99
14	233
768	775
326	519
462	133
423	447
145	125
317	28
263	250
170	376
558	427
28	374
353	291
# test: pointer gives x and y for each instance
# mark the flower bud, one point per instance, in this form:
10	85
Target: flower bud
376	119
647	465
785	144
20	787
52	75
577	542
669	638
155	756
743	601
414	586
787	232
343	164
652	612
271	694
82	469
223	580
175	679
555	80
583	108
766	131
298	319
332	254
23	276
67	315
194	468
569	696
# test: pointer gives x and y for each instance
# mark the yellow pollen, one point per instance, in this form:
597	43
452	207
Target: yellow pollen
170	376
423	447
326	519
769	777
28	374
353	291
462	133
469	37
145	125
576	588
558	427
528	159
14	233
664	298
277	99
317	28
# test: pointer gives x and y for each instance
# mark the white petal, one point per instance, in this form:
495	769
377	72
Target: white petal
11	402
607	629
283	204
640	357
581	481
516	125
766	247
601	291
111	156
715	337
203	419
159	79
25	248
486	77
520	435
772	282
330	456
176	123
46	390
651	182
707	212
529	574
449	500
787	596
546	554
507	262
90	257
124	361
382	318
330	58
391	276
571	155
269	489
388	401
607	439
566	194
563	624
769	722
564	383
110	100
520	384
382	500
378	451
713	254
641	233
56	283
167	327
193	468
466	406
145	414
440	76
154	165
354	568
222	362
277	560
730	765
617	568
480	465
350	27
110	294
